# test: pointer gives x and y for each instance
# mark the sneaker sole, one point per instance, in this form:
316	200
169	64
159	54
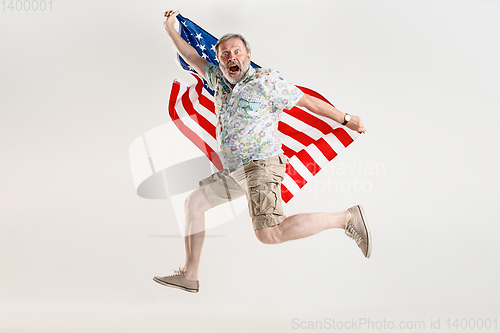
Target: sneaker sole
175	286
369	236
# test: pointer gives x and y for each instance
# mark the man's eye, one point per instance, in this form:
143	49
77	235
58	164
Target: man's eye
237	52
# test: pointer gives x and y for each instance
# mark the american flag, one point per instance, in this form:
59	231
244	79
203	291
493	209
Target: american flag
310	141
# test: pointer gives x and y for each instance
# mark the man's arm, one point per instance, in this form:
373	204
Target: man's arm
187	52
322	108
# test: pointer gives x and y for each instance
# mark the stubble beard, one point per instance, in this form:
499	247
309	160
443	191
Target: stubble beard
244	67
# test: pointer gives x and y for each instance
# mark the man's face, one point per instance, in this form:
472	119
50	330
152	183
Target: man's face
234	60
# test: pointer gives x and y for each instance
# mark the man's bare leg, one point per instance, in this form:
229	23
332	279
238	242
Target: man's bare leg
196	205
303	225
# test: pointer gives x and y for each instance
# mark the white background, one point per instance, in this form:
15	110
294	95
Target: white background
78	247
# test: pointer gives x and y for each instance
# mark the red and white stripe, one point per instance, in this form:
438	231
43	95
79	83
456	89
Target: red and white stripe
310	141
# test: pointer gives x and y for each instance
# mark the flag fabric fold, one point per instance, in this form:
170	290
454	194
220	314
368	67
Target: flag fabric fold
310	141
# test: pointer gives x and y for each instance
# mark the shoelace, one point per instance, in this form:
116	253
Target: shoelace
351	232
179	272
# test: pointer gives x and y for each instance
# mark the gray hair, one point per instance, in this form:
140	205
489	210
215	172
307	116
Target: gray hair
228	37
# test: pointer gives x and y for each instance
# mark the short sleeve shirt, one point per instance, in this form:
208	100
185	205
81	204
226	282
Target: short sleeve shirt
248	115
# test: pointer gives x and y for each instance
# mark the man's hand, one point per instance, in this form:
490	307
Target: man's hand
169	22
355	124
186	51
322	108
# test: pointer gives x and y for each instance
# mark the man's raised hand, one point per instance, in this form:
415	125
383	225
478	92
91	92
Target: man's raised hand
170	18
186	51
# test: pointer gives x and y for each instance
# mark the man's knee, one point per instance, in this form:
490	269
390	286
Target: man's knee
269	235
197	200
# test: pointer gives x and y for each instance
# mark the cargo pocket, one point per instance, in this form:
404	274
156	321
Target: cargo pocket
264	198
283	159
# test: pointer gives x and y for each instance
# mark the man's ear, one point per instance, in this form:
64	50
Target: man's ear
249	55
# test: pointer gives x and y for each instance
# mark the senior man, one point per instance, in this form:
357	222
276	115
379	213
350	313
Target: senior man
248	104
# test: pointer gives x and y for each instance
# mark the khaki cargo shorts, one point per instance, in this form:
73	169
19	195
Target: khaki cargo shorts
260	181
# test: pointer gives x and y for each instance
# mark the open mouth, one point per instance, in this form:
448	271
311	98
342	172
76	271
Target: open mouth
234	69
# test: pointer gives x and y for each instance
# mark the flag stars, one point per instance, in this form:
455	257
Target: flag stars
204	56
213	48
202	47
199	36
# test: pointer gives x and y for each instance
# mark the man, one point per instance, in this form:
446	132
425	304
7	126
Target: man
248	104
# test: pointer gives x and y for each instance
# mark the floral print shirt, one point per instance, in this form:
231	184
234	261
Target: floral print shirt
248	114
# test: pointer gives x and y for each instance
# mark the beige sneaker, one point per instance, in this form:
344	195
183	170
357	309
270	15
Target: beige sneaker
177	280
358	230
